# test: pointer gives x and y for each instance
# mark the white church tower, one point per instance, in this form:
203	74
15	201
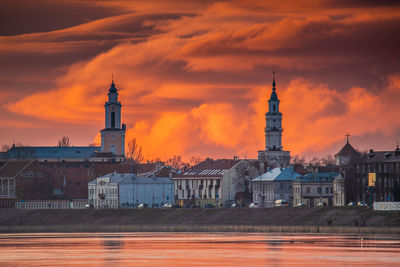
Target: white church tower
274	155
113	135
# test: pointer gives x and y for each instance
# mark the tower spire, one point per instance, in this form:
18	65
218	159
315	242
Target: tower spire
112	78
273	81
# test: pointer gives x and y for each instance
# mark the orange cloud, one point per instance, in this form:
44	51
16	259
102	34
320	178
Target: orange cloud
194	82
315	117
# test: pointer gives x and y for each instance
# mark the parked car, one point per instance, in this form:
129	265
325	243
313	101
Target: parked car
167	205
234	205
352	203
322	204
253	205
142	206
176	206
362	204
281	203
301	204
210	206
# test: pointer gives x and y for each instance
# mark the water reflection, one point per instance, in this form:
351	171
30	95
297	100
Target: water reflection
182	249
113	244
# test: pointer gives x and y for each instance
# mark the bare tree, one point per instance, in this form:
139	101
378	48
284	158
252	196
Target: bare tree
177	163
245	172
298	160
315	162
64	141
329	160
134	152
194	160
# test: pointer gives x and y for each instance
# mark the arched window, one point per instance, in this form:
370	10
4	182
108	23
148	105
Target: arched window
274	108
112	119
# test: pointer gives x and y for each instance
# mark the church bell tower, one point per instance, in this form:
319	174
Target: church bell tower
273	155
113	135
273	129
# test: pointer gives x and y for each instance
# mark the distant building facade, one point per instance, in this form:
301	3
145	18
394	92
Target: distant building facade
116	190
274	185
22	180
273	154
319	187
219	182
385	165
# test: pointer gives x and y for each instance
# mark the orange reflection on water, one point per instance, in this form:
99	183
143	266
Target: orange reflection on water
183	249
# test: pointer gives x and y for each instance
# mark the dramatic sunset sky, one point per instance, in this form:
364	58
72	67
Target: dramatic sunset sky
194	76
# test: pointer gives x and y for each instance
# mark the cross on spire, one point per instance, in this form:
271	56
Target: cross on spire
347	136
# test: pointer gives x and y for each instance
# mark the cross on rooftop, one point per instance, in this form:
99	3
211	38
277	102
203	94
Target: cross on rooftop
347	136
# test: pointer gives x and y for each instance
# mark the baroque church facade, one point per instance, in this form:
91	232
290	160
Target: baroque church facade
274	155
112	141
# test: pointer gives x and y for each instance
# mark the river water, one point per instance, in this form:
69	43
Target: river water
198	249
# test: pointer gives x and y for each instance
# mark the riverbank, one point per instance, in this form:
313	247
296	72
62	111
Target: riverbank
198	228
290	220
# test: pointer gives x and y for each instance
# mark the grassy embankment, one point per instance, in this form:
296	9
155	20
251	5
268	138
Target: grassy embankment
314	220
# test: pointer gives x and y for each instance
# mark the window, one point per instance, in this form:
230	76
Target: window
319	190
326	190
112	119
331	190
308	190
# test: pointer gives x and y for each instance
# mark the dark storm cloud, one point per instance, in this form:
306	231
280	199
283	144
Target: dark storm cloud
27	16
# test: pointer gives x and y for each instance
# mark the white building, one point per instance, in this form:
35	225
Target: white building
273	185
125	190
219	182
103	192
274	153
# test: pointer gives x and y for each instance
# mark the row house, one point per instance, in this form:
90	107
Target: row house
385	165
319	187
219	183
274	185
